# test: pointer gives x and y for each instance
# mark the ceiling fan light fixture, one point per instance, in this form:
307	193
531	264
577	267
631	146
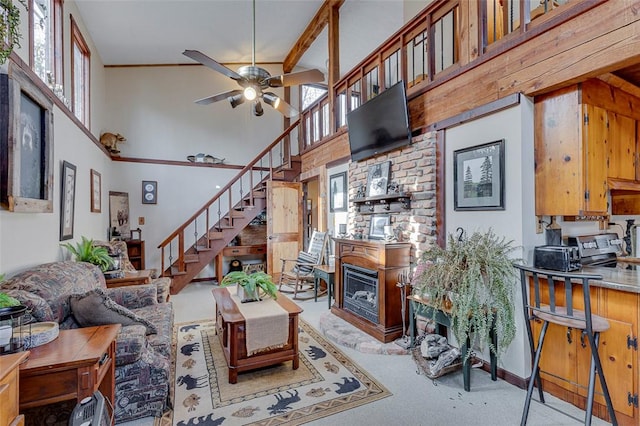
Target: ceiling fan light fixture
236	100
271	99
250	93
257	109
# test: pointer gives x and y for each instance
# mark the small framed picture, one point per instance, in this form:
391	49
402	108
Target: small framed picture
376	227
149	192
96	192
67	205
478	176
378	179
338	191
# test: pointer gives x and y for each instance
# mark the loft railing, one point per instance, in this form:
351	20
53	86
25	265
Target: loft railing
217	214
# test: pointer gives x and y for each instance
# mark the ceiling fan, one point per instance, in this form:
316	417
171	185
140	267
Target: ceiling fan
255	81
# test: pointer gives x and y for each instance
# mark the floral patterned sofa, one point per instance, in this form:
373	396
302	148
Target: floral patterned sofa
143	360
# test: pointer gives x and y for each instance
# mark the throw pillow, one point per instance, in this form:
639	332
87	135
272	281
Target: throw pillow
96	308
305	263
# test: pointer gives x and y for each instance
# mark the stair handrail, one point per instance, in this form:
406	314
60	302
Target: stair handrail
228	186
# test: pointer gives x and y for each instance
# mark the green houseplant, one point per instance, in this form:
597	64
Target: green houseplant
9	27
7	301
475	279
85	251
253	284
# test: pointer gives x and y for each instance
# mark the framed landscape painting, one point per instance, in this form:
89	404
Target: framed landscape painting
478	174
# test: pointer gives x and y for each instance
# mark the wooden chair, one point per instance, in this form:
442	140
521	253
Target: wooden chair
297	274
560	310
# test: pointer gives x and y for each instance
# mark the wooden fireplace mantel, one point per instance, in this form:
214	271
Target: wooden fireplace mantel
389	260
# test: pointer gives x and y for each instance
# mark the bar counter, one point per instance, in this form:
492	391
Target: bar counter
627	280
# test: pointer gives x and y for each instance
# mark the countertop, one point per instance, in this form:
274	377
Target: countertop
615	278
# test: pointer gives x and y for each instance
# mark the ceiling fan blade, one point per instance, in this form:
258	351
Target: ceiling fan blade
218	97
280	105
296	78
208	62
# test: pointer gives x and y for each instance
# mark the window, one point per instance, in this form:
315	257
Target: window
80	73
311	93
46	40
502	17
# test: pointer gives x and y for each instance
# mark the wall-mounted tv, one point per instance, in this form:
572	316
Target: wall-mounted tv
379	125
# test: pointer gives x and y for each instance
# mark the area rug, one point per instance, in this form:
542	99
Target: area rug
326	382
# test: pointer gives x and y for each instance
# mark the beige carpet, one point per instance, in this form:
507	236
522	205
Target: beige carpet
326	382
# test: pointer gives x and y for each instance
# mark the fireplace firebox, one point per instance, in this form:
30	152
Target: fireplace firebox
365	283
361	291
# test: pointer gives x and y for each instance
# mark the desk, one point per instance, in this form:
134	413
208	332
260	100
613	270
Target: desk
237	251
443	318
130	278
326	273
230	327
71	367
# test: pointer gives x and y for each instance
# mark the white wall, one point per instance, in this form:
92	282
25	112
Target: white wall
517	221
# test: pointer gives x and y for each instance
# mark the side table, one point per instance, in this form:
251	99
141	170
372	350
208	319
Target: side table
71	367
443	318
130	278
326	273
9	388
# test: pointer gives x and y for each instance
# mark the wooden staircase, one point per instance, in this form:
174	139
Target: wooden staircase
224	216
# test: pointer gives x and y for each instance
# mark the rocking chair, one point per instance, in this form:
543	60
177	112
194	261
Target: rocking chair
297	274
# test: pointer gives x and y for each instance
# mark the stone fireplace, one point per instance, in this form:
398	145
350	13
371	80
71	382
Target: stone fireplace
366	292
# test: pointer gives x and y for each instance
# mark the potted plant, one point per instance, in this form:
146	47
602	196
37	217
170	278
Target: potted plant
251	286
9	27
85	251
474	280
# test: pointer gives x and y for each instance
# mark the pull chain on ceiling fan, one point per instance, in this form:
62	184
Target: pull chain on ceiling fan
254	81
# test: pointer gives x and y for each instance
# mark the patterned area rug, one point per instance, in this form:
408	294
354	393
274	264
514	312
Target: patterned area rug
326	382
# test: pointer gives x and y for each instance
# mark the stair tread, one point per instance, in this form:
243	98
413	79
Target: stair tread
191	258
202	248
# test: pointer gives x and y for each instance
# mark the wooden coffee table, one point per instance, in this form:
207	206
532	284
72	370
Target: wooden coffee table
71	367
130	278
230	326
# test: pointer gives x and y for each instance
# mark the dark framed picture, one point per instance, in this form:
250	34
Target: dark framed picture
149	192
68	199
96	191
26	144
338	191
119	214
378	179
377	224
478	176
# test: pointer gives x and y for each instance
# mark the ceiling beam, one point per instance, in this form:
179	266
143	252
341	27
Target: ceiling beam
313	30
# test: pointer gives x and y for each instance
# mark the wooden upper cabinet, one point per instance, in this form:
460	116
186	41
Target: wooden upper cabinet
622	147
570	155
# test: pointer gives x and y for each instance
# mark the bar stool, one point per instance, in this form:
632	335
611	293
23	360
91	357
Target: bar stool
563	314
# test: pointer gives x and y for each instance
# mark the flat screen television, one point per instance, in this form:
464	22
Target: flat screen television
379	125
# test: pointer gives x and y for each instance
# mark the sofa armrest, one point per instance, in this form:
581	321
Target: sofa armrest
130	343
134	296
163	286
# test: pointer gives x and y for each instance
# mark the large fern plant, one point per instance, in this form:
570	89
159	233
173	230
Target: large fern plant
85	251
475	279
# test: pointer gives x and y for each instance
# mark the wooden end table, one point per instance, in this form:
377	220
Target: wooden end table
130	278
230	327
326	273
71	367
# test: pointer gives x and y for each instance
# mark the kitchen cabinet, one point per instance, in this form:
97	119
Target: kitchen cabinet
565	361
585	146
570	155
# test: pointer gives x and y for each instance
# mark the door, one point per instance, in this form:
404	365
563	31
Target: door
284	224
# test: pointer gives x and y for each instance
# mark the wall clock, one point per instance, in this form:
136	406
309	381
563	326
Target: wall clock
149	192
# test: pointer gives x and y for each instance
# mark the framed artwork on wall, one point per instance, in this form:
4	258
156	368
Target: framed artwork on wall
68	198
338	191
378	179
377	224
119	214
149	192
96	191
26	144
478	176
